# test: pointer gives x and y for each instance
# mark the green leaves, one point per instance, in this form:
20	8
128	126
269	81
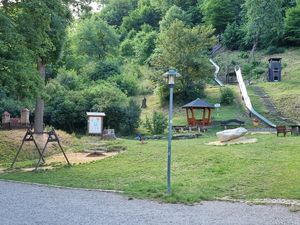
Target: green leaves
94	38
292	21
185	49
264	21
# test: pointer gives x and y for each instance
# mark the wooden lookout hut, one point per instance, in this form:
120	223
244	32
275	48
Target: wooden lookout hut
194	115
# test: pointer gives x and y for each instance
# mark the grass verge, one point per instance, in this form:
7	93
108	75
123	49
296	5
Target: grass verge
266	169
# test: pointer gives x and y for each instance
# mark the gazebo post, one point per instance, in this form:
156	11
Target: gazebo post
209	114
203	116
187	114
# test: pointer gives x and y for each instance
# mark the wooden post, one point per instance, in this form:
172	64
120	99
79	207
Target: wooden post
209	114
203	116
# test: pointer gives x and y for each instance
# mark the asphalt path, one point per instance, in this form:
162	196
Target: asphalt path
22	204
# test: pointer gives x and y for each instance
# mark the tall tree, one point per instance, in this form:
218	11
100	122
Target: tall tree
42	23
220	13
94	38
292	21
264	24
172	14
18	80
114	11
185	49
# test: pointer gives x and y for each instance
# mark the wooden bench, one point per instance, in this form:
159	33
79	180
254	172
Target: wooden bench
283	130
232	123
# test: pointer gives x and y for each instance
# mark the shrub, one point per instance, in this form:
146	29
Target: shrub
274	50
104	69
227	96
127	83
158	124
232	36
123	119
68	78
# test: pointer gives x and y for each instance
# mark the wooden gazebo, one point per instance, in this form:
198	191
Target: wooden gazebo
193	117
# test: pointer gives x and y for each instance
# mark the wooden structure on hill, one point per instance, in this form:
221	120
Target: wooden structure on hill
193	118
274	72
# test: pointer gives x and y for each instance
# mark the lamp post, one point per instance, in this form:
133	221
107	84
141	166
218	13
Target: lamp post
170	75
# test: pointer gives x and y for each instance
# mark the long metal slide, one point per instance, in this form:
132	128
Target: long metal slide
246	98
243	90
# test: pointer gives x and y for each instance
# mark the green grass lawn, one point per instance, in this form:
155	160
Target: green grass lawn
267	169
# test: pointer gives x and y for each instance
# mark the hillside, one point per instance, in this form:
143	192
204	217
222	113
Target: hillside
284	94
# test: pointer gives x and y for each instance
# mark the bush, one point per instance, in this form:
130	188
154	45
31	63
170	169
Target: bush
123	119
68	78
127	83
232	36
158	124
104	69
274	50
227	96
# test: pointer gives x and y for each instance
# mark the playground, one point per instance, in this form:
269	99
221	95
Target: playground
265	169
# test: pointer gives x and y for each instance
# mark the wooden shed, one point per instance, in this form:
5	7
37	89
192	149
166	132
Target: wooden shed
194	115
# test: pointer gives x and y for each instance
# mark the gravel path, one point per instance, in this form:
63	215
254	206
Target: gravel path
31	204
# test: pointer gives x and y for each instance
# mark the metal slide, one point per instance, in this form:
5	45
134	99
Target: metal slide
216	73
247	99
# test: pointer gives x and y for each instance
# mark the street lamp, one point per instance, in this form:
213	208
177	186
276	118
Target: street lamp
170	75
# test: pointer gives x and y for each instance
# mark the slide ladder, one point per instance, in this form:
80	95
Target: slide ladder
246	98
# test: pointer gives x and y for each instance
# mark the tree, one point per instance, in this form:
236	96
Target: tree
18	77
232	36
94	38
42	24
144	43
292	21
114	11
220	13
264	24
185	49
174	13
144	14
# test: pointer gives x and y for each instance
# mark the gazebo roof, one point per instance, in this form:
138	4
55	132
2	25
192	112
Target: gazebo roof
198	103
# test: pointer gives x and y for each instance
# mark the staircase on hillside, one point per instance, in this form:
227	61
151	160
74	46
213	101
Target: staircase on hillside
273	112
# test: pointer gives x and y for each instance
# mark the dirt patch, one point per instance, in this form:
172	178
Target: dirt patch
241	140
78	157
74	158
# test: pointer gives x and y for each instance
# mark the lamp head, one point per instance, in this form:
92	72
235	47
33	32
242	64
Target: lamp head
170	75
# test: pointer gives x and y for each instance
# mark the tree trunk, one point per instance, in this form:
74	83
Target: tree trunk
252	56
39	107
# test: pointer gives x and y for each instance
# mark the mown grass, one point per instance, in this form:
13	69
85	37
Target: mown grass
266	169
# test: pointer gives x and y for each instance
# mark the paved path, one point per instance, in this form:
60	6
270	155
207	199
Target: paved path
30	204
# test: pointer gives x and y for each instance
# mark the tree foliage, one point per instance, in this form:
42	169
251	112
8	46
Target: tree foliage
174	13
292	21
18	76
185	48
264	22
220	13
92	37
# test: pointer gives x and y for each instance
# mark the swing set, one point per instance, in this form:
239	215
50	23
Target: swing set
52	137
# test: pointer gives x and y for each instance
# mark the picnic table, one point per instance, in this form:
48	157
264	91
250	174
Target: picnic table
233	123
